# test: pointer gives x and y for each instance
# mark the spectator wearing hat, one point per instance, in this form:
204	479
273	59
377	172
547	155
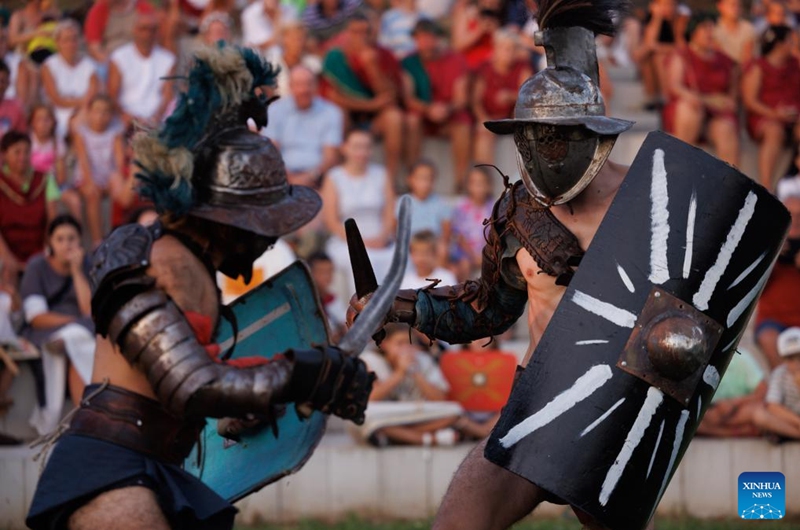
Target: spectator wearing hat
702	89
778	307
771	95
780	416
366	81
437	96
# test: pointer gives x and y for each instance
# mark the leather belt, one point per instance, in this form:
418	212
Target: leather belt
141	424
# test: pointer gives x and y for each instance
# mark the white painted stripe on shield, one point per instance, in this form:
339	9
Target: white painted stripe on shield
625	278
589	342
676	446
748	270
599	420
711	377
687	258
712	277
659	220
632	441
610	312
748	299
655	449
583	387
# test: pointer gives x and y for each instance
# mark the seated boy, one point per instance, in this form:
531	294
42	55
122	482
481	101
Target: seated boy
779	418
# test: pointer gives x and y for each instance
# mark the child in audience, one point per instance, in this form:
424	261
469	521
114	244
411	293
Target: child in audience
397	23
779	418
322	272
412	383
100	152
429	211
125	200
423	269
467	223
48	155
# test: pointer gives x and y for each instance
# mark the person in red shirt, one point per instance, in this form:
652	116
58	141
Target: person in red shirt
771	94
26	199
495	90
364	80
437	88
702	92
778	308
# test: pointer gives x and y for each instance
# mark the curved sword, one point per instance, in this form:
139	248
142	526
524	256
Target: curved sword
371	318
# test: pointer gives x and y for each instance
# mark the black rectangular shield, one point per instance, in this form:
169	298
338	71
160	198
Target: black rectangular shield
598	418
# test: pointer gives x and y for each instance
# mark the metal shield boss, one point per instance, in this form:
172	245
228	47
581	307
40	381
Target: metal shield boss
636	348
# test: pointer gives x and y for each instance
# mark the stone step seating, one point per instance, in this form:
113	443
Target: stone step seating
408	482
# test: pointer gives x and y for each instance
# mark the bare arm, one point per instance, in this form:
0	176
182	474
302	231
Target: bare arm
383	387
51	320
388	218
97	52
330	209
429	391
55	97
751	85
82	155
82	290
478	91
784	413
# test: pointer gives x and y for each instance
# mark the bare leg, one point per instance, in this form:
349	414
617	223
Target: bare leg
688	122
413	137
413	434
771	423
130	508
72	200
767	340
484	145
75	385
93	196
484	496
725	137
772	138
390	125
460	138
476	430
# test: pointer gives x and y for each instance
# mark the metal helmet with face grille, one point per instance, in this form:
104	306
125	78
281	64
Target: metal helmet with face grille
562	135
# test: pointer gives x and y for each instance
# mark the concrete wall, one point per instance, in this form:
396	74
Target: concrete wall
408	483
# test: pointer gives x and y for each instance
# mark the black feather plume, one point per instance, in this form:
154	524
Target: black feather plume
595	15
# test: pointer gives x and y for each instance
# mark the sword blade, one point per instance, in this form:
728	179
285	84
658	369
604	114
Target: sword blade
371	318
363	274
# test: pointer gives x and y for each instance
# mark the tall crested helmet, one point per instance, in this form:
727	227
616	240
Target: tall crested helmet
561	132
206	162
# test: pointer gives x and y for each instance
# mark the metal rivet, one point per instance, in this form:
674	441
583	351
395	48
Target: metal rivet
624	363
138	423
144	263
657	294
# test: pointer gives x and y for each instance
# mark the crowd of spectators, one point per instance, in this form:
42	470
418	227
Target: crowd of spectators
356	76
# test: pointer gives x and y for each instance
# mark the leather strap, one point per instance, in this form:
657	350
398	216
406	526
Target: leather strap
131	420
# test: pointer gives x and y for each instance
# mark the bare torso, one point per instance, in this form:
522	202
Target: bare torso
185	279
582	217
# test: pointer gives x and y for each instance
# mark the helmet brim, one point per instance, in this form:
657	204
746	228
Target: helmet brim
597	124
300	205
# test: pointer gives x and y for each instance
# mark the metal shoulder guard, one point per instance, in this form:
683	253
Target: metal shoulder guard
117	270
153	333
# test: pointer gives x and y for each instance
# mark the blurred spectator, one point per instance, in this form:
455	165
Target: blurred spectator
775	14
12	116
474	24
428	210
12	60
365	81
27	197
56	300
735	37
777	308
434	9
327	18
322	272
136	78
125	201
702	86
361	190
407	374
25	25
100	153
739	395
467	226
110	24
215	27
48	154
789	185
771	94
437	96
396	26
292	52
69	78
663	31
424	269
262	21
495	90
306	128
780	416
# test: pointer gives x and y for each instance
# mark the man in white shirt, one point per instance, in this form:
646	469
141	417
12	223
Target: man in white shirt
307	129
136	78
262	21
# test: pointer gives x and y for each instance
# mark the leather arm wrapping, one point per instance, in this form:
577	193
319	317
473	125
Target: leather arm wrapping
152	333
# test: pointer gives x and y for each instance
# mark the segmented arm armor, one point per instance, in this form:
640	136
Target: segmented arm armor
153	334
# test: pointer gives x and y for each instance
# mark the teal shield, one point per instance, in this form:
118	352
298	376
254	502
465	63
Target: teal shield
282	313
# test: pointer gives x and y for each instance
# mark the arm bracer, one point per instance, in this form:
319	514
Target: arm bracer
153	333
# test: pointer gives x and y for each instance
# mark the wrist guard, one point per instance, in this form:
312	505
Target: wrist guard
330	381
